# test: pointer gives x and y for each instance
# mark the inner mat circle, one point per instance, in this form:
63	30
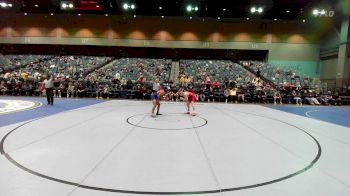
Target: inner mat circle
167	121
10	106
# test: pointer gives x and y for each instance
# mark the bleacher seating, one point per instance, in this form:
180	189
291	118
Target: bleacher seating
12	62
130	68
216	70
285	74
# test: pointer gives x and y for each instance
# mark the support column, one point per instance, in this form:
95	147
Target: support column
343	67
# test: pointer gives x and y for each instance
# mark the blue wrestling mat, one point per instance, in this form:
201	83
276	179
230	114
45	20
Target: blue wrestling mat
60	105
339	115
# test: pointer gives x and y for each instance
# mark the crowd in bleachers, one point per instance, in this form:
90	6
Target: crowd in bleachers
134	69
213	71
11	62
213	80
281	75
27	79
255	82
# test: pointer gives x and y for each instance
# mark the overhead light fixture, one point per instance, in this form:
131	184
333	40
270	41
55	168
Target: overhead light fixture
51	14
79	14
5	5
127	6
36	5
287	11
162	16
160	7
25	14
256	9
106	14
219	18
66	5
191	8
304	20
275	19
223	9
248	18
252	10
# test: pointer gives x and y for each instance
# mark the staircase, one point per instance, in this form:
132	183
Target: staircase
174	73
261	76
98	67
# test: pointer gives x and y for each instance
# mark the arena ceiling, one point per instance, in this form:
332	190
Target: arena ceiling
217	9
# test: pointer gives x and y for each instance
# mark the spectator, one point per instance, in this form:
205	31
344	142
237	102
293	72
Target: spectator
207	82
117	75
3	88
296	97
70	90
106	91
277	97
216	84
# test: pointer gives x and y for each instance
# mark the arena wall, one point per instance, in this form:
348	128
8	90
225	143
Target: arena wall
293	43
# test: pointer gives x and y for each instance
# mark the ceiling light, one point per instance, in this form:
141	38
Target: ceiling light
190	17
248	18
224	9
36	5
125	6
189	8
252	10
79	14
287	11
106	14
65	5
275	19
304	20
134	16
160	7
51	14
162	16
315	12
219	18
25	14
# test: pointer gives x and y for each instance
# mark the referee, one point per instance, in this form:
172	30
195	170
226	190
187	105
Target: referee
48	82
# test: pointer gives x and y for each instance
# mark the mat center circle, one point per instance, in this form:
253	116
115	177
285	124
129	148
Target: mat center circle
167	121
